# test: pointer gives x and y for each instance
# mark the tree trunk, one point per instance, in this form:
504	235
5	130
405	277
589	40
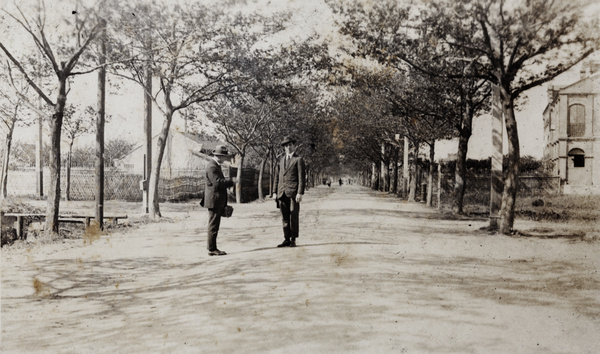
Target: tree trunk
460	171
509	194
412	190
385	173
261	194
68	181
394	161
238	185
271	171
375	177
161	143
53	204
6	160
405	167
430	174
388	172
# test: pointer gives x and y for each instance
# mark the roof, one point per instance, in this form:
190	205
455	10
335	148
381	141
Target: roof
207	143
588	85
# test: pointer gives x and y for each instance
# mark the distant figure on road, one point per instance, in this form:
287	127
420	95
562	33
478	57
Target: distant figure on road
215	196
289	188
341	182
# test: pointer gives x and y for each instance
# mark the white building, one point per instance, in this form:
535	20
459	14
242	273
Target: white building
184	154
572	132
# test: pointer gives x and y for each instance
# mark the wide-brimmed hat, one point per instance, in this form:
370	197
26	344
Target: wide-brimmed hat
221	150
287	140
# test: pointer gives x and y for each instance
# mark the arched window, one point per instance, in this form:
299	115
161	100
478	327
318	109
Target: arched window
576	126
578	157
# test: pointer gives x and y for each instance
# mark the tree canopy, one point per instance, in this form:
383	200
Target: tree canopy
416	69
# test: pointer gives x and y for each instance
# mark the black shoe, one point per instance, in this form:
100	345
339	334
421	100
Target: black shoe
285	243
216	253
293	243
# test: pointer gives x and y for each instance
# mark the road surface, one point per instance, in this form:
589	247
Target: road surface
371	274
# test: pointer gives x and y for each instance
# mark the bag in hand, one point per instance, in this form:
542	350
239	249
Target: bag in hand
227	211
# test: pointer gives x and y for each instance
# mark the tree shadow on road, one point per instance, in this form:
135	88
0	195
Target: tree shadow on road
387	213
126	299
315	245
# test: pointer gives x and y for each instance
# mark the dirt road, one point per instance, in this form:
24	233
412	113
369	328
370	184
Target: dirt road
371	274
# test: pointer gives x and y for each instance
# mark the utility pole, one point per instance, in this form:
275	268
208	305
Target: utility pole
39	165
439	186
405	169
147	124
100	120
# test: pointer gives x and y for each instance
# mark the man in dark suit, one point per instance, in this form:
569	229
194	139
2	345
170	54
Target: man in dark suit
289	188
215	196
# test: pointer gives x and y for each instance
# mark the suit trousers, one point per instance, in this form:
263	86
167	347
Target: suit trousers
290	211
214	222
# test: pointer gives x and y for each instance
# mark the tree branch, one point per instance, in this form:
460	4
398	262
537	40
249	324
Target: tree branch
27	78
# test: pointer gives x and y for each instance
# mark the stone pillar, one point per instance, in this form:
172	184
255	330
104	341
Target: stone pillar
497	184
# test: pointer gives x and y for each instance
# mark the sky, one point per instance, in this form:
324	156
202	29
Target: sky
310	16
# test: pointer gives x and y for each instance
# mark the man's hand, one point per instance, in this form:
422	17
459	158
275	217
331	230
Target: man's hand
298	198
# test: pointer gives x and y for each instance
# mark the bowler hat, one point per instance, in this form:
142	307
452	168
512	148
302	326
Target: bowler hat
287	140
221	150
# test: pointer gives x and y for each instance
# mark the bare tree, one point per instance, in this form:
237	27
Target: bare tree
75	124
198	53
13	111
72	38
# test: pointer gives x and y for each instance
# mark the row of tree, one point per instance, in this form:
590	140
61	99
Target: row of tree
440	60
420	69
186	58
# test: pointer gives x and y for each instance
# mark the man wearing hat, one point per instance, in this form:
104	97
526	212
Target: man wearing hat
289	188
215	195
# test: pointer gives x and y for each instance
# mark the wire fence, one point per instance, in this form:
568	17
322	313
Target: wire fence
477	188
121	185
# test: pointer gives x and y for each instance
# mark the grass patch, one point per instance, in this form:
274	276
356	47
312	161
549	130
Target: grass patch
545	207
559	208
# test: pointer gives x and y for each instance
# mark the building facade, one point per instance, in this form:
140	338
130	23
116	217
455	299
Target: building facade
572	132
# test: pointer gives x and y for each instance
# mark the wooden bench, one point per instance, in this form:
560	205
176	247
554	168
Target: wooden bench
20	220
86	219
83	219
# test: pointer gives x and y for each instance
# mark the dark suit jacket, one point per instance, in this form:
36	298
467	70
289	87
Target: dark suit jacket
290	180
215	192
